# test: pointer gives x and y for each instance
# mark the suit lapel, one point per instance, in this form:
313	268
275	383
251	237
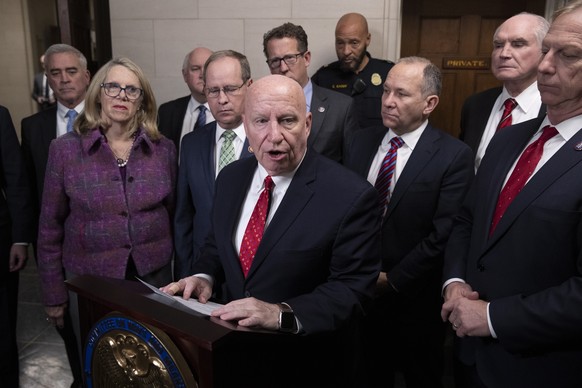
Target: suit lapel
207	156
318	110
562	161
420	157
296	198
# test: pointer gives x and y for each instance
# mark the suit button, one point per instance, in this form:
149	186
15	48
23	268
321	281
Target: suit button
123	214
130	179
248	294
127	246
481	268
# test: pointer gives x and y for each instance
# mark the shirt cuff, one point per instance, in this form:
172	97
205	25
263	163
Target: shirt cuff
451	280
21	243
493	334
207	277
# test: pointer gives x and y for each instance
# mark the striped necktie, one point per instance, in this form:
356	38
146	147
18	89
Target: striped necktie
387	170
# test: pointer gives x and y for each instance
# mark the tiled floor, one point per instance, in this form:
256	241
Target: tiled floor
43	360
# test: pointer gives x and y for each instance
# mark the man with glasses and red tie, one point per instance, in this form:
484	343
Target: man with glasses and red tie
513	264
208	150
514	61
295	239
334	115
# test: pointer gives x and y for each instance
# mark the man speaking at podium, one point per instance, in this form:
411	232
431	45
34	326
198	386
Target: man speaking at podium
314	267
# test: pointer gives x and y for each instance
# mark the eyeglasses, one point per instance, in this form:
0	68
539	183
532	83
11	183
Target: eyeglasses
289	60
113	89
229	90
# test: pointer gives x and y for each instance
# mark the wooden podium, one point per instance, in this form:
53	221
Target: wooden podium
218	353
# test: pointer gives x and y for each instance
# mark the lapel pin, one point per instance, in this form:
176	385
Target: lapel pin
321	109
578	147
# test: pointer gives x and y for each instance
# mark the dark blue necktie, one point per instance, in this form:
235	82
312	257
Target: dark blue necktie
201	120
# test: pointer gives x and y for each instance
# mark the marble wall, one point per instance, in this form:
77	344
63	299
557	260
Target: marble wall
157	35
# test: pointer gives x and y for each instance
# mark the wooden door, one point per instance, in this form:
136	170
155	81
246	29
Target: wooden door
457	36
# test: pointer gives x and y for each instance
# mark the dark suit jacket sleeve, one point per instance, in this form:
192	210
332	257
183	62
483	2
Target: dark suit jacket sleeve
354	267
15	204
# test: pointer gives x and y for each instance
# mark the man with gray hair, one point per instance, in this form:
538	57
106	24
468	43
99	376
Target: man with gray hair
517	51
421	174
68	77
178	117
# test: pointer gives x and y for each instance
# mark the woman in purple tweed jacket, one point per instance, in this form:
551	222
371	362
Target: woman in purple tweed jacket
109	191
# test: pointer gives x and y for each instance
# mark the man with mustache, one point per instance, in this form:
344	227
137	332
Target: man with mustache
356	73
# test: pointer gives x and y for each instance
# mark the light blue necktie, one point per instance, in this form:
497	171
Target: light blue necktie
71	114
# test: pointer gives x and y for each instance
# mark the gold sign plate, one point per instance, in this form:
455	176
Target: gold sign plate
467	63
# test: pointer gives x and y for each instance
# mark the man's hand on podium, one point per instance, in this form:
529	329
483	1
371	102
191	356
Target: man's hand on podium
192	286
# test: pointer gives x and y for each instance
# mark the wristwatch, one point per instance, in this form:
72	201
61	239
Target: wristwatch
286	318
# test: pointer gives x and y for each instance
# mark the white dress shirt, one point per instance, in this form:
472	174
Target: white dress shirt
403	154
528	107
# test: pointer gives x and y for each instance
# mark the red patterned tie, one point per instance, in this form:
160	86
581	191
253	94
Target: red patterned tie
387	170
255	227
523	170
506	119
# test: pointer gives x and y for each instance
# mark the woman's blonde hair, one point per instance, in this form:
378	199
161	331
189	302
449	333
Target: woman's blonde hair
146	115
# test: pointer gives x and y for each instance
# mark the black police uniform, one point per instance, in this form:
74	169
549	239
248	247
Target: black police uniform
365	87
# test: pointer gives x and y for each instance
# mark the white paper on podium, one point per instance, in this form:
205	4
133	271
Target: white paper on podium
203	308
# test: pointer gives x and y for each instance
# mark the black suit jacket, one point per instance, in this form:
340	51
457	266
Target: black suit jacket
16	219
475	114
530	269
320	254
420	213
38	131
195	192
334	122
171	118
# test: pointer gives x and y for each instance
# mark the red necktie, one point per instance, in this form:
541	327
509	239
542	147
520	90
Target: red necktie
506	119
523	170
387	170
255	227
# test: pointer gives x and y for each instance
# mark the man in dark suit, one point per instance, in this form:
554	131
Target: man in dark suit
334	117
16	231
431	176
179	117
68	76
227	77
513	280
41	91
514	61
317	261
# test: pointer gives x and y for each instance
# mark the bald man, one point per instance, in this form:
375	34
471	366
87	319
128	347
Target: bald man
356	73
318	259
178	117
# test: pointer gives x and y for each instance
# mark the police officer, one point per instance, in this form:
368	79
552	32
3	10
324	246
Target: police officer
356	73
